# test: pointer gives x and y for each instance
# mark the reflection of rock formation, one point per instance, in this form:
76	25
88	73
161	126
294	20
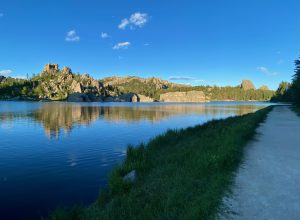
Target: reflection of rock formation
55	117
158	112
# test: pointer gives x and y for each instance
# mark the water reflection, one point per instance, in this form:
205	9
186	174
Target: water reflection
63	117
57	117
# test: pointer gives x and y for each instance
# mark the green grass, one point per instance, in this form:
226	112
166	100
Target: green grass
183	174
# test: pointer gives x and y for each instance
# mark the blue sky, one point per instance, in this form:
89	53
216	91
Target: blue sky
198	42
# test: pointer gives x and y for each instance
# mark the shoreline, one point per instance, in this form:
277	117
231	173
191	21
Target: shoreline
180	174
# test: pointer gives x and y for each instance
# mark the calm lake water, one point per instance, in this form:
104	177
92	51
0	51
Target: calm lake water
59	154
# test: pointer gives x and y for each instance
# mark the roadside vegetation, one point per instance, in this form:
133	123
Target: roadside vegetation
182	174
290	92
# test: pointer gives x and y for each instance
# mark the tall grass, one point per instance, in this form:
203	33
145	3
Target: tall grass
183	174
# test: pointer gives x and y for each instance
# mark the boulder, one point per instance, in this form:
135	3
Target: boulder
78	97
131	177
190	96
143	98
128	97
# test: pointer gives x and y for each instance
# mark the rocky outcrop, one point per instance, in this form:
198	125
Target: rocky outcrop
247	85
58	85
82	97
128	97
51	67
157	82
264	88
190	96
143	98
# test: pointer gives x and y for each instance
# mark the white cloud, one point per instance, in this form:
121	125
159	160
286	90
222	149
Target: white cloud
104	35
123	24
72	36
121	45
5	72
266	71
137	19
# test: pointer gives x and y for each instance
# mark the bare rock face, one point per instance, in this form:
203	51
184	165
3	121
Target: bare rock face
247	85
66	70
82	97
143	98
76	87
78	97
128	97
51	67
264	88
190	96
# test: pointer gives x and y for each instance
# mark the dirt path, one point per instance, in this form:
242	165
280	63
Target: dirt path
267	185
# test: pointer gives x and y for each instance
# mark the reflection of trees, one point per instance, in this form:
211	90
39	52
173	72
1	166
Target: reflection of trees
56	117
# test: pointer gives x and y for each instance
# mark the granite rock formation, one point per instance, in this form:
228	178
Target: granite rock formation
190	96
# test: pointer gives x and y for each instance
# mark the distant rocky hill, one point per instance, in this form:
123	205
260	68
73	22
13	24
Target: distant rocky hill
54	83
149	87
247	85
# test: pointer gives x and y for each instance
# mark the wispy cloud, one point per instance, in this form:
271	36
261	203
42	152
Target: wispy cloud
280	61
137	19
146	44
121	45
123	24
183	78
72	36
104	35
5	72
266	71
1	14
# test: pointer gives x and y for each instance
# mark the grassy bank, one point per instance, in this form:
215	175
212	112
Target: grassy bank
183	174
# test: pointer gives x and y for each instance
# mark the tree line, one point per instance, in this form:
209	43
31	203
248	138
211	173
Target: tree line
290	92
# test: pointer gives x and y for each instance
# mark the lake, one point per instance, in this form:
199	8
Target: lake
59	154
